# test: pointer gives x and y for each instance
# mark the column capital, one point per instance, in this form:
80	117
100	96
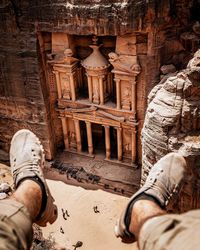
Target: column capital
133	130
118	128
87	122
75	119
106	126
117	79
134	82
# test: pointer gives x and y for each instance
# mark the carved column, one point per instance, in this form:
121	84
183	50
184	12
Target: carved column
133	146
78	135
65	132
101	90
90	87
58	84
72	87
134	102
118	93
107	141
89	137
119	144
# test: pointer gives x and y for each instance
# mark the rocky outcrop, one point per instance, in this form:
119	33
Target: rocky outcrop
172	123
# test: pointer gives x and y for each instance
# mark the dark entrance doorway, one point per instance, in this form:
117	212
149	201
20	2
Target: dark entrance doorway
98	137
113	141
84	141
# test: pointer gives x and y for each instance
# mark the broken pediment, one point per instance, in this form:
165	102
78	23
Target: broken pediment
124	64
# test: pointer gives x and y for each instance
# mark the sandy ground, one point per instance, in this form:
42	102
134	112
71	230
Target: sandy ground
95	230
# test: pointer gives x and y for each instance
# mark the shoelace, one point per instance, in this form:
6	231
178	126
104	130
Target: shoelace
31	165
162	188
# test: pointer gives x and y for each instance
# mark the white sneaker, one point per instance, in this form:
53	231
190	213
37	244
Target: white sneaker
27	161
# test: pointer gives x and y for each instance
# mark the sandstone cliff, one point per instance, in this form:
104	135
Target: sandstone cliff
172	123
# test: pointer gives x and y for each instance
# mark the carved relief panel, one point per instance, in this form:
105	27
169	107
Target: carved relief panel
126	95
65	86
95	87
71	134
127	143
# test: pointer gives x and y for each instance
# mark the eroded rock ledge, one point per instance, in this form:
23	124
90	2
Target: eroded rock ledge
172	123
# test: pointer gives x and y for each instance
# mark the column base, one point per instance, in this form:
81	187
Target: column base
74	151
126	164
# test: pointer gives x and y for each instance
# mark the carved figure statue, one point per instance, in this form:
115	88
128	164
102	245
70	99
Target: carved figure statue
124	63
126	98
96	93
72	137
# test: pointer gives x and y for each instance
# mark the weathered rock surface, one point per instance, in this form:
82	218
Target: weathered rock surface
172	123
167	69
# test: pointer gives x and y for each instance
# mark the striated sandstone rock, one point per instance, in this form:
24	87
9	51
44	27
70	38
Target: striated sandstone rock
167	69
172	123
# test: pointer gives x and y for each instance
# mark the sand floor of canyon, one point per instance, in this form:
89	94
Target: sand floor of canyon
94	230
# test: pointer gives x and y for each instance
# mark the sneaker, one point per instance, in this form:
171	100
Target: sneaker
163	181
27	162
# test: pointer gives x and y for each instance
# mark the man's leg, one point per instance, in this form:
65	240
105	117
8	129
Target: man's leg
142	211
163	181
32	201
17	215
30	195
171	232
